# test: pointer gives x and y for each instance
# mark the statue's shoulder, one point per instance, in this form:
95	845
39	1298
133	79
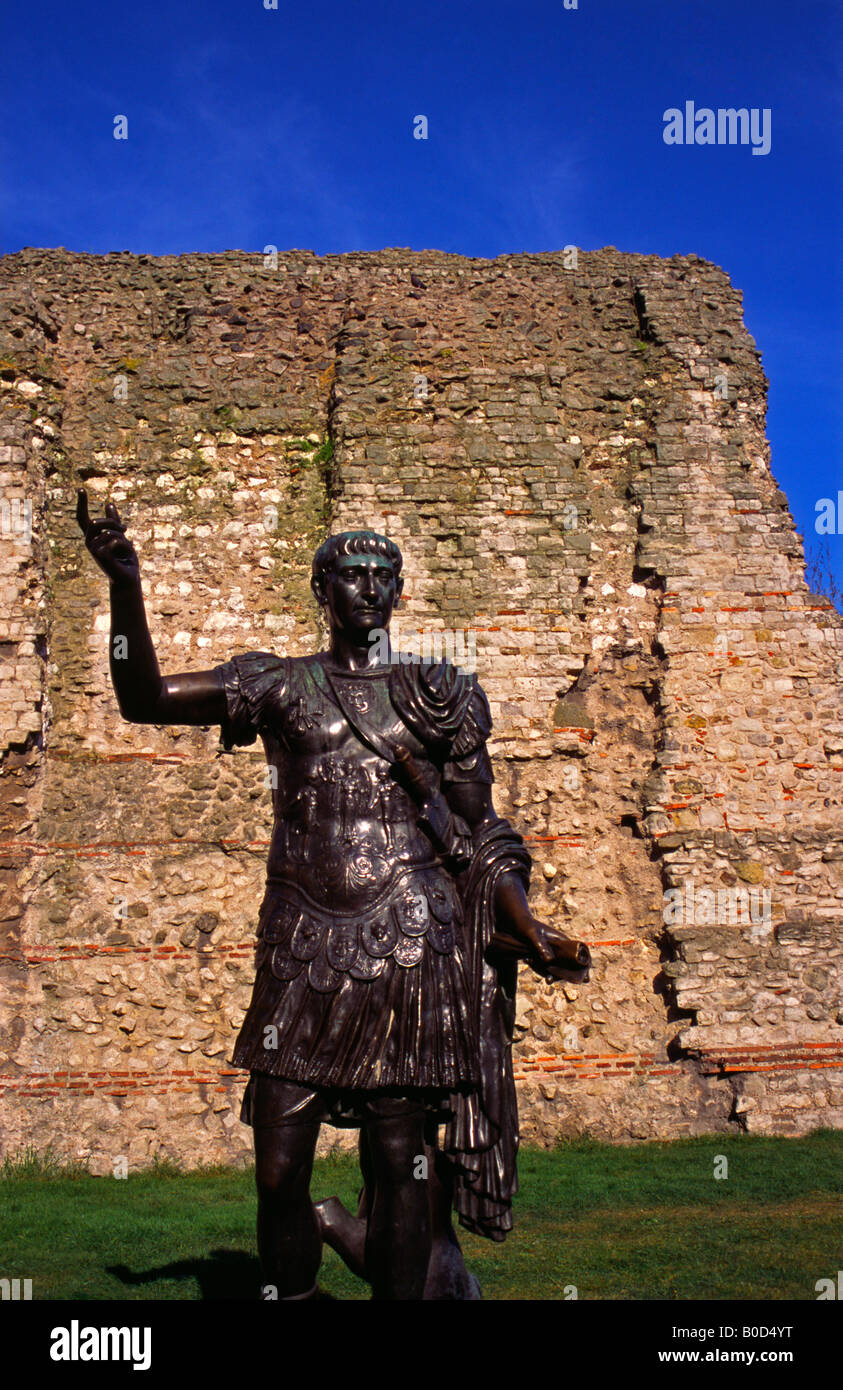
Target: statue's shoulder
253	682
309	671
441	703
252	665
259	675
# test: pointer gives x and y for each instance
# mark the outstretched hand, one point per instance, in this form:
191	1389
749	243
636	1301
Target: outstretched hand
558	956
548	951
106	539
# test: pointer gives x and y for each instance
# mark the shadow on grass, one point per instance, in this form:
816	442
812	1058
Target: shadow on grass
228	1275
224	1274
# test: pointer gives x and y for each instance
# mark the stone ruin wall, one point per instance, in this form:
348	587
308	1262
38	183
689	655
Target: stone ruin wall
574	463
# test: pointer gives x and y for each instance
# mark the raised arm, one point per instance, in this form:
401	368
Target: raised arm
143	694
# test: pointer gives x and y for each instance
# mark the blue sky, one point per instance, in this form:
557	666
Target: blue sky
294	127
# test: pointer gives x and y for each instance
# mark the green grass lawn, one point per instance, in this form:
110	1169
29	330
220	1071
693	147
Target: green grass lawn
642	1222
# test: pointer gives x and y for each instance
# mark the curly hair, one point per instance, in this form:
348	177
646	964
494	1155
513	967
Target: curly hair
355	543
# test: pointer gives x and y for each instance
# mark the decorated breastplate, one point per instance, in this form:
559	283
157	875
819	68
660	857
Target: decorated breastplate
344	828
348	829
419	909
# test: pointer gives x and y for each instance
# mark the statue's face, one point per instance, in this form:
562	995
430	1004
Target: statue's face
360	592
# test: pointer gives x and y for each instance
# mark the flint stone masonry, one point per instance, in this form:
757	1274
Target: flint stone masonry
574	464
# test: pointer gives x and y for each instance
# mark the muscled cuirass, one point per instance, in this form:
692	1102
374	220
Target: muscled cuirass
351	878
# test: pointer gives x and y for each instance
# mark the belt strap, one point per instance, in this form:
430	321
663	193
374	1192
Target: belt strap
360	727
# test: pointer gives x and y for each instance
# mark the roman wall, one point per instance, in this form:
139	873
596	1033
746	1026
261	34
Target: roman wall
570	450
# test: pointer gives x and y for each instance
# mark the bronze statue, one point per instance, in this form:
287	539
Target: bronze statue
388	938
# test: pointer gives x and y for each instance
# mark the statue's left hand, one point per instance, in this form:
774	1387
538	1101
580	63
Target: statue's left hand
557	956
547	950
517	932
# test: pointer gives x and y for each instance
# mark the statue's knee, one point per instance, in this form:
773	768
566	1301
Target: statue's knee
283	1165
281	1178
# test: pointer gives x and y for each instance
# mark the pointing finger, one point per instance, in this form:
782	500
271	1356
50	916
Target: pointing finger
82	509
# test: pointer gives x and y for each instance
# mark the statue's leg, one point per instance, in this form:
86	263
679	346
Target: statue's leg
289	1241
343	1232
398	1235
447	1276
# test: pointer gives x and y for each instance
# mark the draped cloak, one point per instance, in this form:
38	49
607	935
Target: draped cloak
481	1138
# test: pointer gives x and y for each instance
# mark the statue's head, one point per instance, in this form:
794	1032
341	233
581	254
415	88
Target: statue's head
357	578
